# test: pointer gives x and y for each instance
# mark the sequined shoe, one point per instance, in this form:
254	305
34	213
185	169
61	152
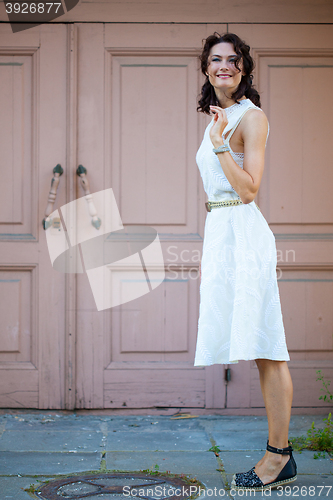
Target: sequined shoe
250	481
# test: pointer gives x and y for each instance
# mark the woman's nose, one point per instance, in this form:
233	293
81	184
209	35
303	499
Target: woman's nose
224	65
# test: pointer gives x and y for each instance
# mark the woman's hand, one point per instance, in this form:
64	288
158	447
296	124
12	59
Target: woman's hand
219	124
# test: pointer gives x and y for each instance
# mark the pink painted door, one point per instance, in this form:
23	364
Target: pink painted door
138	134
121	100
33	141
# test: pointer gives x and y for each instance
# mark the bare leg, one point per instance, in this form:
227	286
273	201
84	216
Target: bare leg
277	391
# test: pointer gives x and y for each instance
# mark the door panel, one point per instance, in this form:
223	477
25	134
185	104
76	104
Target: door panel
153	96
298	170
16	103
33	142
151	132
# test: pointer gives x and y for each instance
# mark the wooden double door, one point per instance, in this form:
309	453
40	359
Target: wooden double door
121	101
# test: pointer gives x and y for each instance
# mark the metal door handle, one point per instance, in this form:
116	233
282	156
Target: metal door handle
81	172
47	222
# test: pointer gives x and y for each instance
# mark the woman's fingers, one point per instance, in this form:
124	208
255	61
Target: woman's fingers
217	109
219	114
219	123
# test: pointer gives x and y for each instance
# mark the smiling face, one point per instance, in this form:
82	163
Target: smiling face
221	70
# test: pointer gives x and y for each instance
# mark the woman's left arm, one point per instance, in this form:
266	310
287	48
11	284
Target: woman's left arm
245	181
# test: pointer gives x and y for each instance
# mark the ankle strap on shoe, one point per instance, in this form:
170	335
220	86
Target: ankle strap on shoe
281	451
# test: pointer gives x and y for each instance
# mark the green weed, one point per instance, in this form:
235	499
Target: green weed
31	489
328	396
320	440
215	449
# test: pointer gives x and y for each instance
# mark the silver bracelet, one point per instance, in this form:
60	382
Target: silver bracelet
221	149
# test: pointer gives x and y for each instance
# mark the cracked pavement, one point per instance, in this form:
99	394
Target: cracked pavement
36	446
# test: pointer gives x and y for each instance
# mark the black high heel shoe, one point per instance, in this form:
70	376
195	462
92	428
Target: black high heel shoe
250	481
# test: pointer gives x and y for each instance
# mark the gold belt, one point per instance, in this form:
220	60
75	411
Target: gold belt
226	203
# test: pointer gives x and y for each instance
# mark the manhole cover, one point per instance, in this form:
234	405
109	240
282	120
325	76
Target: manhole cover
118	485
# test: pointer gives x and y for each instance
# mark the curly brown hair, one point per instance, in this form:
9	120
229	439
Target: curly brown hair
208	96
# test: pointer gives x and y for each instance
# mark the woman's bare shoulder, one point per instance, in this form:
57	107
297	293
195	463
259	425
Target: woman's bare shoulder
255	114
255	118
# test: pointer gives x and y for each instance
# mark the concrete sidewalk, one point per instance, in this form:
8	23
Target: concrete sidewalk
39	445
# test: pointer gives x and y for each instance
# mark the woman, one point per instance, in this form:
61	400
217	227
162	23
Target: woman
240	312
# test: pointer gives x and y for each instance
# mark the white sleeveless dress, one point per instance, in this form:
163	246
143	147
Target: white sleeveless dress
240	314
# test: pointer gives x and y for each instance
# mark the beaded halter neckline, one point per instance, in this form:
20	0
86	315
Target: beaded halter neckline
233	107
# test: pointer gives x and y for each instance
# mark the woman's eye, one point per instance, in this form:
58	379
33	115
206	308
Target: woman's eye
217	59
